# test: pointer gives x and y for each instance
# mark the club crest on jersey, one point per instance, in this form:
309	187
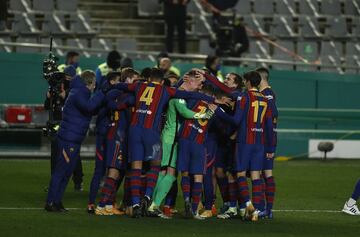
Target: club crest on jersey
71	149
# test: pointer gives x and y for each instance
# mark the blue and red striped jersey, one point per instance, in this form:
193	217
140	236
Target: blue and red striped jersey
151	99
270	95
252	117
195	129
118	104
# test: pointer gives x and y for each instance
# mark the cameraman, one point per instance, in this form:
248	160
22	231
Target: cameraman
59	96
77	113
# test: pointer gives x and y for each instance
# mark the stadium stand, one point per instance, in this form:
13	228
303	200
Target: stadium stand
138	25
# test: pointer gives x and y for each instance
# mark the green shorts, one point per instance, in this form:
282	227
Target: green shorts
169	154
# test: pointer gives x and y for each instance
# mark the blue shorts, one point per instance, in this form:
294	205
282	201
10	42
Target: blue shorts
225	156
191	157
248	157
116	151
144	144
268	163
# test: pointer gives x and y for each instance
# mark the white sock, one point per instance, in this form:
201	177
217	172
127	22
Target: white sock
351	202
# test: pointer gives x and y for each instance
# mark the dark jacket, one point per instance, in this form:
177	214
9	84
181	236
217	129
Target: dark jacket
78	110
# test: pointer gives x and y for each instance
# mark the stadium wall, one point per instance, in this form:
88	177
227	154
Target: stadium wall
311	104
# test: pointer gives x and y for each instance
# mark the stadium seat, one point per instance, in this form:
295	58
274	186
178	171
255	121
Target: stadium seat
352	61
283	26
67	5
265	7
352	7
331	54
331	48
126	44
81	44
256	24
331	64
56	42
243	7
192	8
24	23
281	55
43	5
286	7
104	44
204	47
33	40
309	51
309	7
330	7
149	7
17	5
259	49
309	27
337	27
53	23
352	48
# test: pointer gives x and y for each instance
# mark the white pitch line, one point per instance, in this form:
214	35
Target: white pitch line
76	208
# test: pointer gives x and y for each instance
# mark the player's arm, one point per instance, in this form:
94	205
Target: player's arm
128	102
269	134
126	87
217	83
90	105
238	115
184	111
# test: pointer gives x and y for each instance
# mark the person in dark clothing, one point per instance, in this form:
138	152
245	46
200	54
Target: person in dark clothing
175	16
3	14
77	113
57	107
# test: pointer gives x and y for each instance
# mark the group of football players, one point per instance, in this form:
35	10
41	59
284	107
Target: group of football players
153	129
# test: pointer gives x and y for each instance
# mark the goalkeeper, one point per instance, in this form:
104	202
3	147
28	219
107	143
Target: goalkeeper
177	107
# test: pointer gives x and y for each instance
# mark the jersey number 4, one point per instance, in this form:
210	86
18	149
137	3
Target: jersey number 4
256	104
147	95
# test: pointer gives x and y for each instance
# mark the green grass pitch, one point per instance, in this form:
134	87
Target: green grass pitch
303	185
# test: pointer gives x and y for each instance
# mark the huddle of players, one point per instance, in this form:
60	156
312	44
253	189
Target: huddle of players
147	133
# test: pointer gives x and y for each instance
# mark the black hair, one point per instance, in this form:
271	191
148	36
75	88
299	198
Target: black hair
210	60
238	80
145	73
263	70
254	78
112	76
113	59
128	72
156	74
71	54
126	62
208	89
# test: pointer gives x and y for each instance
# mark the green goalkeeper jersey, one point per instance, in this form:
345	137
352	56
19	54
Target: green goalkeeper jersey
175	106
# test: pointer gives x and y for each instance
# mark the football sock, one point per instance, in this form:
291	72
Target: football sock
185	186
263	197
127	192
356	193
223	186
232	193
107	191
160	177
243	190
208	190
135	186
196	196
151	179
170	199
164	188
256	193
270	192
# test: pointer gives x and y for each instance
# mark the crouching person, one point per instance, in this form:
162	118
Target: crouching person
79	107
